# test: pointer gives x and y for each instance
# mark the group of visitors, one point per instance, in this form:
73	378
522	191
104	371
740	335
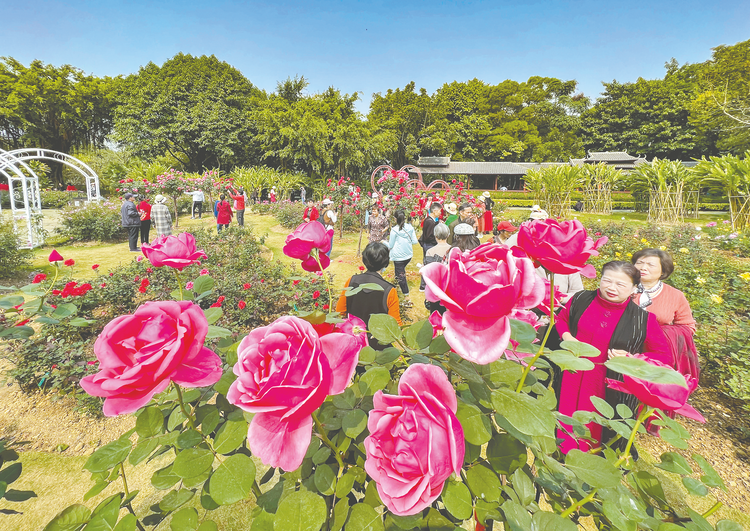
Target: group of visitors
138	219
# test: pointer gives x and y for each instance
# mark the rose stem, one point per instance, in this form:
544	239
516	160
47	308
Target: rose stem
718	505
323	437
127	495
646	413
328	284
179	284
182	406
546	336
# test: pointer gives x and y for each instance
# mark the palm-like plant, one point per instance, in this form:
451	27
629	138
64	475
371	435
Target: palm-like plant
598	182
731	174
665	183
552	186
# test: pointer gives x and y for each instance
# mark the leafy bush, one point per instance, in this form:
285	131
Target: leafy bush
92	222
11	257
55	198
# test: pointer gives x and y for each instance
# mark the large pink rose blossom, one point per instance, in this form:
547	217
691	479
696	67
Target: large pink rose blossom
140	354
284	373
415	442
667	397
305	242
174	251
480	289
562	248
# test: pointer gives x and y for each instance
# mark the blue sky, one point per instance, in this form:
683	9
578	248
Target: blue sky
371	46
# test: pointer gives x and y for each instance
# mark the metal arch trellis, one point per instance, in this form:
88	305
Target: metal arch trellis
89	175
23	188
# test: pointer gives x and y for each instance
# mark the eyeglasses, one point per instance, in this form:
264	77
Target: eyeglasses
647	265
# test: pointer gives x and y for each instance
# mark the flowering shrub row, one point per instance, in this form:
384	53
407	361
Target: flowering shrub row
92	222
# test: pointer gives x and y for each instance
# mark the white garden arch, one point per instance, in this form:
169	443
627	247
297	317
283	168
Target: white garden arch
25	197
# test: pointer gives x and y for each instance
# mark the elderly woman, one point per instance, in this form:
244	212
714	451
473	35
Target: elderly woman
609	320
378	223
670	307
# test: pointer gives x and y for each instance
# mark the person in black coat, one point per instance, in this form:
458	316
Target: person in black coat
131	220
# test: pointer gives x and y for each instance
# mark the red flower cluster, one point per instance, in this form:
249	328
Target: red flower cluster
241	305
40	277
144	284
246	286
69	262
316	294
72	289
218	302
95	267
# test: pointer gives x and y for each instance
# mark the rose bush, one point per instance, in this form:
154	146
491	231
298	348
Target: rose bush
480	289
176	251
416	442
141	354
561	248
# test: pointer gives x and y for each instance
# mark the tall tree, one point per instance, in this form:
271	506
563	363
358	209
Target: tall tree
194	108
58	108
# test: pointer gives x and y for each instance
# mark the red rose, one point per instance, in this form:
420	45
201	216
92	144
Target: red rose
54	256
241	305
316	294
95	267
562	248
40	277
173	251
246	286
141	354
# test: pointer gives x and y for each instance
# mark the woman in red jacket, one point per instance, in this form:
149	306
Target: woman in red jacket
223	213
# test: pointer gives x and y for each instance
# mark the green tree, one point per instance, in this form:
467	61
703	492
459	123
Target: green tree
58	108
193	108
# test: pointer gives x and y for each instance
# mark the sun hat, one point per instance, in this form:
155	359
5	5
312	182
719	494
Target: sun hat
485	194
538	213
327	201
507	226
451	208
159	198
463	229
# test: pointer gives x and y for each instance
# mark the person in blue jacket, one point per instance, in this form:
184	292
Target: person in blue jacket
401	243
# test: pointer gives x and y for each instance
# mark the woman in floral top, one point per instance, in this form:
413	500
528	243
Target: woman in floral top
378	225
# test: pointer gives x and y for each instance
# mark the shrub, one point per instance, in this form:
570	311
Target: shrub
11	257
92	222
55	198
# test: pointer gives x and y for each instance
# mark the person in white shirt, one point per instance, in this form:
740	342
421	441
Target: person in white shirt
198	198
328	217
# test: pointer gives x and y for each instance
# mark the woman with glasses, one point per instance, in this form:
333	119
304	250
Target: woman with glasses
670	307
609	320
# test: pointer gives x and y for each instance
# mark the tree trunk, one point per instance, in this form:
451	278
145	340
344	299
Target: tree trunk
176	214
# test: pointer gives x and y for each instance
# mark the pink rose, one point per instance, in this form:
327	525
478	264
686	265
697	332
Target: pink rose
54	256
415	441
436	320
284	372
667	397
562	248
480	289
307	240
141	354
173	251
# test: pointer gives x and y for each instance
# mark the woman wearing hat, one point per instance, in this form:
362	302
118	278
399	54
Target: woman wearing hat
504	231
452	210
488	204
464	237
161	217
480	216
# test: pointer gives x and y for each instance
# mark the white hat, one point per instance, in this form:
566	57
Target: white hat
451	208
486	194
159	198
463	229
327	201
538	213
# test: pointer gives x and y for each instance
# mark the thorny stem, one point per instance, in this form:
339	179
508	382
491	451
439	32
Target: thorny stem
718	505
323	437
182	406
179	284
124	481
546	336
328	283
646	413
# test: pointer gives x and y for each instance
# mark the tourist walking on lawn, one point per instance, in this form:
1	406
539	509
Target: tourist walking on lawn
198	198
144	209
403	238
161	216
223	213
131	220
378	223
368	302
302	193
488	204
272	195
311	213
239	205
329	219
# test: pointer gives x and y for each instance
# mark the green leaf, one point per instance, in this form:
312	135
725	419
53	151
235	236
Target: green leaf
728	525
262	521
524	413
603	407
374	379
518	518
457	500
372	498
176	418
213	314
521	332
184	520
105	515
108	456
583	350
544	521
362	517
367	355
230	436
11	473
418	335
695	487
175	499
192	462
570	362
593	469
638	368
325	480
96	489
188	439
354	423
69	519
710	477
503	372
232	480
126	523
46	320
387	356
203	283
217	331
65	310
506	453
484	483
224	383
523	487
476	425
150	422
301	511
384	328
624	411
439	345
80	322
651	485
345	484
340	513
164	478
10	301
675	463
